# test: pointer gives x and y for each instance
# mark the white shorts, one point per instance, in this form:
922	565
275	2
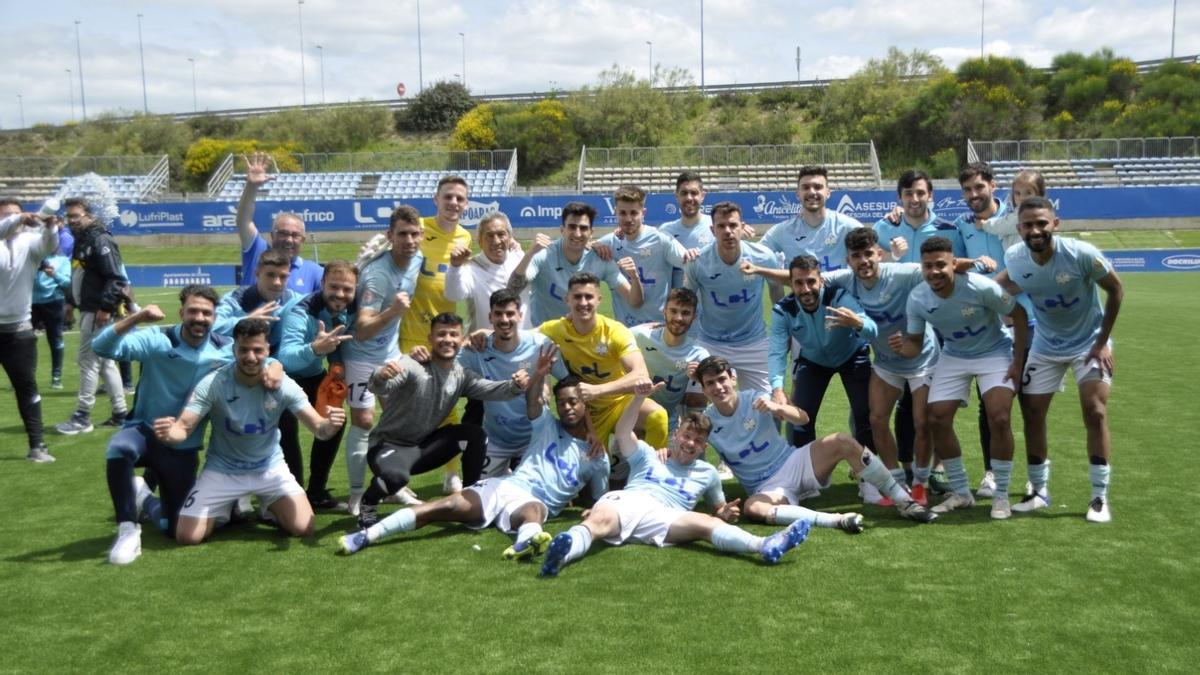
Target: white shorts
499	462
500	498
1045	374
794	480
952	377
641	517
749	362
358	374
216	492
897	381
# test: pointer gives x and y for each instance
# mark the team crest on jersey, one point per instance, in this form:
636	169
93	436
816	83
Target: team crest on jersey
527	366
750	424
602	349
1062	278
270	404
681	364
885	298
646	253
968	311
831	239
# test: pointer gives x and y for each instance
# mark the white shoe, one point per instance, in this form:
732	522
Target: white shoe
244	506
1032	502
141	492
1001	510
724	472
128	545
954	502
354	504
404	496
451	484
1097	511
869	493
987	486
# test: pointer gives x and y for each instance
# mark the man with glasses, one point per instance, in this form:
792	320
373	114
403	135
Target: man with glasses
287	232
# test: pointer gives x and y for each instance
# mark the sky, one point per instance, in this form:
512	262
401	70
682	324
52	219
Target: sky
247	53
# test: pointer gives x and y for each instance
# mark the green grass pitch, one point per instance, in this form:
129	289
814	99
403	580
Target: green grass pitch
1041	592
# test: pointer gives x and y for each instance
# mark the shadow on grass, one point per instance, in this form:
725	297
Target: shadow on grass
92	550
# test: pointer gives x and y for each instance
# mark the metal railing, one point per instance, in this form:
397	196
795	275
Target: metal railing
1079	148
433	160
220	176
729	155
156	180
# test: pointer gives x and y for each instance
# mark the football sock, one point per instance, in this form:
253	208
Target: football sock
1098	473
1002	472
152	508
404	520
581	541
1039	475
957	475
920	475
657	425
898	475
356	456
875	473
526	532
786	514
735	540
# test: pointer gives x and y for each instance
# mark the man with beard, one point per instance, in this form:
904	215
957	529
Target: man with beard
672	355
416	398
1061	276
313	330
693	229
508	350
98	286
287	232
243	457
555	467
815	231
905	231
966	309
174	359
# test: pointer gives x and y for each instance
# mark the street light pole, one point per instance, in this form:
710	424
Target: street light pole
71	91
1174	7
701	46
650	62
321	53
21	107
142	56
420	57
464	57
982	14
79	58
195	107
303	84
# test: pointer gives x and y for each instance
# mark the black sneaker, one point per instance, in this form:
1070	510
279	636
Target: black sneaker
368	515
324	501
117	420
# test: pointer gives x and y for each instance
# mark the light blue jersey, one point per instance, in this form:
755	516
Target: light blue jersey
556	467
886	303
825	242
679	486
969	320
668	364
748	441
1064	294
170	368
505	422
829	347
51	287
238	303
300	326
730	302
548	273
245	420
378	283
915	236
689	236
978	243
655	255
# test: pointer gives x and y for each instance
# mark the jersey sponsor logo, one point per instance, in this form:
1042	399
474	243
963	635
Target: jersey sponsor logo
966	333
555	293
1026	275
1059	301
751	449
441	268
671	483
645	279
744	297
669	380
173	355
568	468
247	429
882	316
592	370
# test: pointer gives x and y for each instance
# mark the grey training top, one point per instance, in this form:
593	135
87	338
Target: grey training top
417	400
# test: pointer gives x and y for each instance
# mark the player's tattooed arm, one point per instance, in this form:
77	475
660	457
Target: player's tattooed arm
517	281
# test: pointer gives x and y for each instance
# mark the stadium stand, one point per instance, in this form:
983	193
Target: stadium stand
33	179
727	168
1109	162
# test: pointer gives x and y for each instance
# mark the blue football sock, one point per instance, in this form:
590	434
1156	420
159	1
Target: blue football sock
1098	473
921	474
786	514
404	520
1002	472
1039	476
734	539
957	475
581	541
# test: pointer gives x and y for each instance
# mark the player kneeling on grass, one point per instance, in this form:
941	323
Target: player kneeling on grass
966	311
656	505
776	475
244	456
556	466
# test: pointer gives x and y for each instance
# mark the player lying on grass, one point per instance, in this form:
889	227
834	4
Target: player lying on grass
656	505
776	475
244	456
555	468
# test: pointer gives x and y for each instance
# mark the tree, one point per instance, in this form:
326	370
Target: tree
541	133
436	108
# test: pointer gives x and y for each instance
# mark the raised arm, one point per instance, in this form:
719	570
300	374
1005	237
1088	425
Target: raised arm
109	343
623	432
535	393
780	411
256	177
459	279
368	322
518	280
633	292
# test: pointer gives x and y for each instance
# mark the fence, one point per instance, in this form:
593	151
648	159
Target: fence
104	165
728	155
1096	148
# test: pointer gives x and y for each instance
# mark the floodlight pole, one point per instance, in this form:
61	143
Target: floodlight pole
701	46
321	53
650	62
142	57
464	58
71	91
195	107
420	56
303	84
79	58
21	107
